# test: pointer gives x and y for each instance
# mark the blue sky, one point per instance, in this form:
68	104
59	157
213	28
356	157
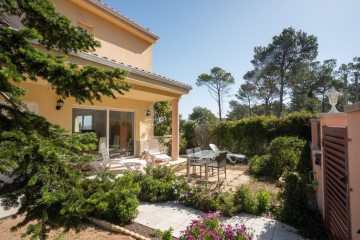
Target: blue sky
197	35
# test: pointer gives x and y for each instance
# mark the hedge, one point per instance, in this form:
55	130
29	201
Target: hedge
252	135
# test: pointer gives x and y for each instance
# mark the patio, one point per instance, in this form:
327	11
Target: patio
236	175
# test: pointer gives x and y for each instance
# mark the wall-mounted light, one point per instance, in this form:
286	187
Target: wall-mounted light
59	104
148	112
333	96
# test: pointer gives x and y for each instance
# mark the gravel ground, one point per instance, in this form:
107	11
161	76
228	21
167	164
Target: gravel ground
88	231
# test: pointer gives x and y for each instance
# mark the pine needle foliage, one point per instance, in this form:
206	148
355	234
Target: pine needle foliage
43	159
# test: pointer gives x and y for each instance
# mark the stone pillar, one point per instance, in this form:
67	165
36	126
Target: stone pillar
330	120
175	129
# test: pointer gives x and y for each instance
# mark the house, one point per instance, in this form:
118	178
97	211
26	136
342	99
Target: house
125	122
336	167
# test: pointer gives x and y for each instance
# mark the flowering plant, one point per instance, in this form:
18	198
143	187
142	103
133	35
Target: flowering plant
209	227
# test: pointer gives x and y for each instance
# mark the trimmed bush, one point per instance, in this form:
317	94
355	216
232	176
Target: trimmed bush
252	135
260	165
285	154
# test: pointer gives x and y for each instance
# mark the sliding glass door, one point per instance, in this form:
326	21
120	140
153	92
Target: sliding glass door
113	128
121	132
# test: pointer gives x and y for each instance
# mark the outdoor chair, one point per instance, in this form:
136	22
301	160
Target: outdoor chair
232	157
220	162
129	164
193	161
154	159
154	154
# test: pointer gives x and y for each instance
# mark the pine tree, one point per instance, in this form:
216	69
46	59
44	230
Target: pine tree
40	157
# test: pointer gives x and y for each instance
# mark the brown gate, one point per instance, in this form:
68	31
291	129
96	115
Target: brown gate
337	217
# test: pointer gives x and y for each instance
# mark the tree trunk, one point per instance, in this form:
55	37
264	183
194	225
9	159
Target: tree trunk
267	112
281	93
249	106
219	105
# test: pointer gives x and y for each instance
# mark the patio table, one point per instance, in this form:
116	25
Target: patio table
205	155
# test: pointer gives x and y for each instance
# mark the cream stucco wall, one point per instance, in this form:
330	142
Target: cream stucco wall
116	43
46	99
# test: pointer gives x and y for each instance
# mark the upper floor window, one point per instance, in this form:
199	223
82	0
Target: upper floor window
85	28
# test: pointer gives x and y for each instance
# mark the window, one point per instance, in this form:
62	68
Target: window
114	128
83	122
89	120
31	106
85	28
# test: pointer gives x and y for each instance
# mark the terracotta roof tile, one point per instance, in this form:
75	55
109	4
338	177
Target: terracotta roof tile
142	70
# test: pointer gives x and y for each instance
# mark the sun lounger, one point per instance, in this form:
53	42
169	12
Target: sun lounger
232	157
129	164
153	153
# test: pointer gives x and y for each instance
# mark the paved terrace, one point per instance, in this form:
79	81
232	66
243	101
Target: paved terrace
165	215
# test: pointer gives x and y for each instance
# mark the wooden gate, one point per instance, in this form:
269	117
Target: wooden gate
337	217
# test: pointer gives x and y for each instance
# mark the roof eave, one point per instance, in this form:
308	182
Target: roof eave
121	17
91	57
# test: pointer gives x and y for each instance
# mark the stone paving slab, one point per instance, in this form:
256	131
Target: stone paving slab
169	214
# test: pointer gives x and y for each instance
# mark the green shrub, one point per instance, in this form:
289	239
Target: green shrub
296	209
226	204
164	235
189	130
285	154
203	199
263	201
260	165
190	197
252	135
167	143
207	201
109	198
167	234
159	184
245	199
